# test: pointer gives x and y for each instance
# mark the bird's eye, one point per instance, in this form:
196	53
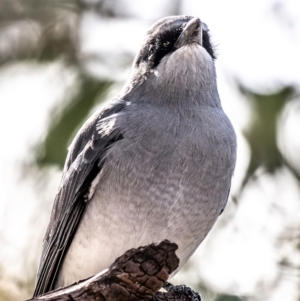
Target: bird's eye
161	43
166	44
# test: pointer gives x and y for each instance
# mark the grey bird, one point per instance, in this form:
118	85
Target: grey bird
154	164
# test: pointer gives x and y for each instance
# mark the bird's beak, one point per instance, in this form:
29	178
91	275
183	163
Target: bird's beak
192	33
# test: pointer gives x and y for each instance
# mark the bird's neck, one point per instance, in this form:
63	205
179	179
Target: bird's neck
177	80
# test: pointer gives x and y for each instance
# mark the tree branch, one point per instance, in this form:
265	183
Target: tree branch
137	275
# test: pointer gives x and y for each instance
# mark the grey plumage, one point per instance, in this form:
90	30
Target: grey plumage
155	164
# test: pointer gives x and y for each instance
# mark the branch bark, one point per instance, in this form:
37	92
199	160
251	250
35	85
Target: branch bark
137	275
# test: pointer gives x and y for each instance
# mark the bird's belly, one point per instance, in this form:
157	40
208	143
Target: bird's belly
160	199
113	224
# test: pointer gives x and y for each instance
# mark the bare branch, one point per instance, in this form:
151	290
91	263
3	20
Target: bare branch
137	275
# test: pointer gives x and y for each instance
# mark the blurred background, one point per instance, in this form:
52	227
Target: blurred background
60	60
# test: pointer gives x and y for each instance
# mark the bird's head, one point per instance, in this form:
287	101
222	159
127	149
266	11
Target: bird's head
176	57
170	34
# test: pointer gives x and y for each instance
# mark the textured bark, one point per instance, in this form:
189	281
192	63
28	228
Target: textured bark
171	296
137	275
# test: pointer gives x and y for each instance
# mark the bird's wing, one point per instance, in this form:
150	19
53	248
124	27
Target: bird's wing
84	162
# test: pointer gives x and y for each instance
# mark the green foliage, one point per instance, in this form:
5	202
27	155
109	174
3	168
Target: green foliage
61	132
56	22
261	134
228	298
48	29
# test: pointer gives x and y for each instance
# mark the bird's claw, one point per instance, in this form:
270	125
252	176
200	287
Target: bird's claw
182	289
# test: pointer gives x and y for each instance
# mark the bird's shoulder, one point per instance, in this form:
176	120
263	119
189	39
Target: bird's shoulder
93	129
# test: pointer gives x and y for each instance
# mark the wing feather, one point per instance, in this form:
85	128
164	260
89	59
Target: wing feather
84	162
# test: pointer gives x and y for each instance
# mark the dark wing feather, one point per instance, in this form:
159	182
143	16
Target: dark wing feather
83	163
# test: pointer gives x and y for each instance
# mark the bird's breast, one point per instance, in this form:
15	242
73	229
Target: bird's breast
166	179
169	177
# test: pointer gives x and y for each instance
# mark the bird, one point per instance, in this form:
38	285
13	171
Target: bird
155	163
